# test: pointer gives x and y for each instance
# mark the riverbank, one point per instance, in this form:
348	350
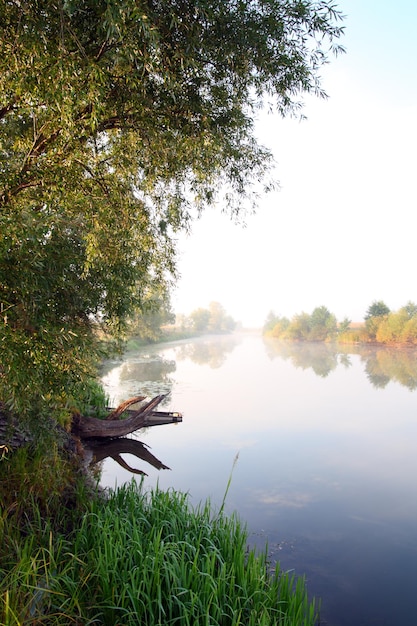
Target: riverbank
131	556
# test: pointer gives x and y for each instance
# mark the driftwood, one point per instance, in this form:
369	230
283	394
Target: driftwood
160	418
92	427
99	438
116	413
115	447
104	438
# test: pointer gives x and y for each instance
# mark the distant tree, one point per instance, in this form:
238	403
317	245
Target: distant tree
280	327
344	325
409	332
391	327
323	324
212	320
374	317
299	327
398	326
200	320
219	320
411	309
183	322
378	308
156	311
271	320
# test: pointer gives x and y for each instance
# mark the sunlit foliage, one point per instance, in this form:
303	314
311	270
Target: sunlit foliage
398	326
375	315
320	325
381	326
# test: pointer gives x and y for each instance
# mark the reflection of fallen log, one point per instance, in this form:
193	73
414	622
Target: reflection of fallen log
115	447
106	437
91	427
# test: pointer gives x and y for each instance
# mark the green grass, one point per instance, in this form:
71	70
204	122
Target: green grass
146	558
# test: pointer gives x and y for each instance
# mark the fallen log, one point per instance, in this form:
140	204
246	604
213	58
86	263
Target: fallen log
92	427
97	438
160	418
116	413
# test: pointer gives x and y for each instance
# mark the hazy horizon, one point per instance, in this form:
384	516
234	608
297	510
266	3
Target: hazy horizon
339	232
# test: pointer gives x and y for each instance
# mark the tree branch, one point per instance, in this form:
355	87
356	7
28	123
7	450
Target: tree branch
6	109
91	427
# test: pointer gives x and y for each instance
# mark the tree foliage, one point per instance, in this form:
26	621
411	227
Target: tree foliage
156	312
212	320
117	121
378	308
320	325
275	325
398	326
200	320
375	314
381	326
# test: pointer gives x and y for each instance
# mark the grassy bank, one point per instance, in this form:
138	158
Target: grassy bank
144	558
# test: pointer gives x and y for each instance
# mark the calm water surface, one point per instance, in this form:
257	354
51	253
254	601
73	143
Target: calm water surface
327	467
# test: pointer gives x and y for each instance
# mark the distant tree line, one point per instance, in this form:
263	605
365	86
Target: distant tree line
381	325
320	325
215	319
158	322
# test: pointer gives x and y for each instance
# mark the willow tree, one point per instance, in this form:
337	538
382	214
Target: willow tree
119	121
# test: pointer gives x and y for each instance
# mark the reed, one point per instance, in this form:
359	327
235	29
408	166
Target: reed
149	558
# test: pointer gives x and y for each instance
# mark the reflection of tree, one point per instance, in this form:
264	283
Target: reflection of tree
209	350
150	372
152	367
322	358
345	360
375	375
382	364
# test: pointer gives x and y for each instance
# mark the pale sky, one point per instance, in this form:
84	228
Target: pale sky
341	231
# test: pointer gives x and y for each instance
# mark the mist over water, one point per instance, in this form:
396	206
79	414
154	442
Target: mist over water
327	442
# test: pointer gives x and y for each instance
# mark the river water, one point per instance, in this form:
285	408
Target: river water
321	442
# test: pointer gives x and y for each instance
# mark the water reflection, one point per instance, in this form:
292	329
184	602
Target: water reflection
209	351
322	358
382	364
327	465
145	374
97	451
